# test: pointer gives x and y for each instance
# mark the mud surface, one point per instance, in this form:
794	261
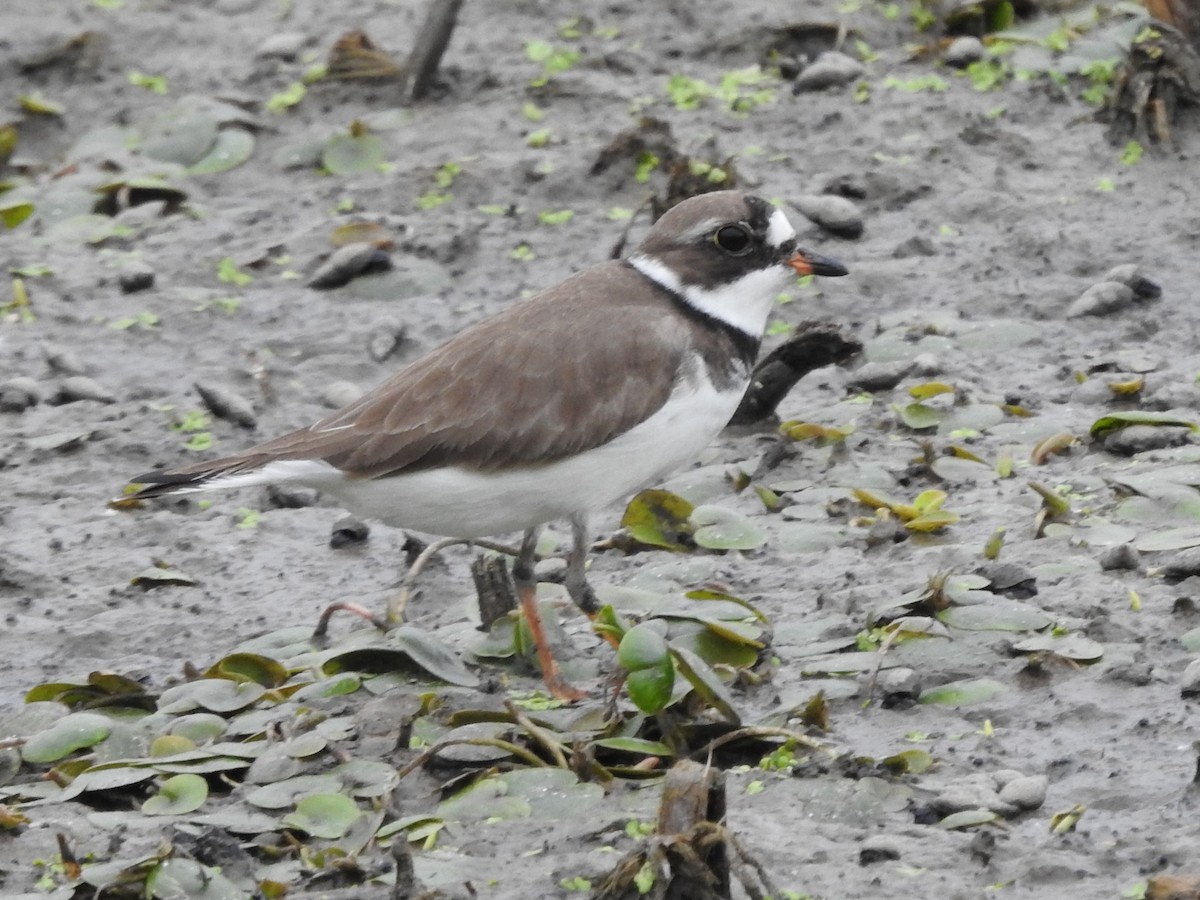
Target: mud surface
987	214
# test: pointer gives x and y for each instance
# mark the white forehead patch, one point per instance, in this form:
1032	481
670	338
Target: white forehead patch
779	229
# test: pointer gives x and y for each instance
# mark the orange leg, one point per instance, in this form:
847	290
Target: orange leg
556	683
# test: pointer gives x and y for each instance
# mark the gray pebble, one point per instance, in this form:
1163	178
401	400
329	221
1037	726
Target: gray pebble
1101	299
1092	392
81	387
1183	564
135	275
878	848
62	360
971	795
1138	438
830	69
286	45
880	376
18	394
347	263
291	496
963	51
1130	275
1189	682
835	214
227	405
386	337
348	531
340	393
898	686
1026	792
926	365
917	245
1120	556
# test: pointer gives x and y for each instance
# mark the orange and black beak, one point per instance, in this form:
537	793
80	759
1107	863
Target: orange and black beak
806	263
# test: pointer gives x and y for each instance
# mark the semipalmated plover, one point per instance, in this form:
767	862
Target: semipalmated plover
560	405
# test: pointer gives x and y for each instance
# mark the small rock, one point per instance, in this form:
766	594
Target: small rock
347	263
1189	683
917	245
81	387
1138	438
879	376
878	848
286	45
830	69
1130	275
1026	792
19	394
348	531
1120	556
899	687
972	795
340	393
227	405
926	365
292	496
1101	299
386	337
1183	564
963	51
62	360
835	214
135	275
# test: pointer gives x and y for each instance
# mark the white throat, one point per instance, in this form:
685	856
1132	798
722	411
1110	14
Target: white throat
743	304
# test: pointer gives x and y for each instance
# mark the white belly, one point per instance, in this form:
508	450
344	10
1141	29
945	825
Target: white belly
457	502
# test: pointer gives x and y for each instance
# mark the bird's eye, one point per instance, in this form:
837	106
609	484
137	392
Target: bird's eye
732	239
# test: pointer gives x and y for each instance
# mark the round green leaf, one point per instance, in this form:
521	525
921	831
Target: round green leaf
660	519
72	732
433	656
232	148
353	154
178	795
650	688
643	647
326	816
719	528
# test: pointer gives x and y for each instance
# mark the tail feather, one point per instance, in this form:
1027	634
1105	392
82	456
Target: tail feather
160	483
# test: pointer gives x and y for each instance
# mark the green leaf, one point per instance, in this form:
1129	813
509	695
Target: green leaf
39	105
719	528
178	795
706	684
287	98
232	148
156	84
228	272
353	153
1131	153
14	212
919	416
640	746
1117	420
327	816
650	689
72	732
930	389
556	217
643	647
963	693
659	518
251	667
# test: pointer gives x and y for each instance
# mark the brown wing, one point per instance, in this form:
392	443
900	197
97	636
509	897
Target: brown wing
555	375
